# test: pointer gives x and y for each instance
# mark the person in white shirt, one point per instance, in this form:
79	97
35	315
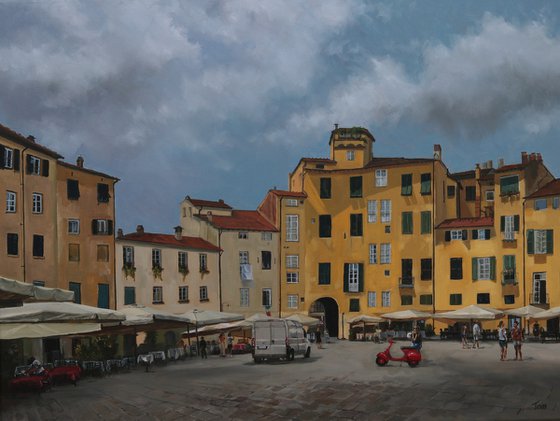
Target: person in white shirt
476	335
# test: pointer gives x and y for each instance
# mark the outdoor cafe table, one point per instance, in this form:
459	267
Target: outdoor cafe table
146	359
158	356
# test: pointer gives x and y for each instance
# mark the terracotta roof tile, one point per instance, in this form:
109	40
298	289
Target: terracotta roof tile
486	221
287	193
75	167
220	204
22	140
550	189
170	240
327	160
512	167
247	220
386	162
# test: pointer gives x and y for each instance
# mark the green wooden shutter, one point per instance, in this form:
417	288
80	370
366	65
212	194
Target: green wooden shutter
45	168
493	268
465	235
475	268
502	223
2	156
487	234
16	159
516	223
530	242
361	277
474	234
447	235
549	241
346	267
426	222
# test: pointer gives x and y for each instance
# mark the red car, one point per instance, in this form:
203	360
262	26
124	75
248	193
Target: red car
66	371
33	378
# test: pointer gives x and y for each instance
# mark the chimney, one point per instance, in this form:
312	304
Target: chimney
221	201
539	157
178	232
477	188
209	215
336	126
120	233
500	162
524	158
437	152
490	164
140	229
477	172
532	157
31	138
80	162
484	165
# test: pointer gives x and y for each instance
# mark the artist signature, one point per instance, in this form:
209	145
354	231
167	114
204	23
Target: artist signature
538	405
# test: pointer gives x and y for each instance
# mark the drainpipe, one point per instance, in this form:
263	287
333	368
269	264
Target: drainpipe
280	219
114	247
220	268
523	250
434	193
22	168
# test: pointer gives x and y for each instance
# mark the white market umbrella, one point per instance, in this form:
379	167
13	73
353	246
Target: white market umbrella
51	312
364	318
304	320
248	322
547	314
11	289
470	313
44	330
208	317
138	314
407	315
526	311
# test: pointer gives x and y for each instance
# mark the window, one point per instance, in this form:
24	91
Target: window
325	191
373	254
385	253
325	226
555	202
350	155
385	298
324	273
128	256
37	203
425	222
292	277
183	294
267	297
509	185
489	195
354	305
203	293
203	262
102	253
455	299
380	178
10	202
353	277
372	299
356	227
293	301
406	184
76	288
182	261
470	193
406	273
480	234
266	260
72	189
38	242
450	191
483	298
385	211
102	227
12	244
156	258
292	203
540	204
8	158
426	183
509	224
406	222
73	252
73	226
372	211
266	236
292	228
540	241
356	186
243	257
33	165
292	261
455	235
242	235
539	294
509	299
129	295
387	229
102	193
483	268
426	300
103	295
157	295
406	300
425	269
244	297
456	268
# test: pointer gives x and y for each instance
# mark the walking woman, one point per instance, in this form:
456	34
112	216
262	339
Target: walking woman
502	340
517	337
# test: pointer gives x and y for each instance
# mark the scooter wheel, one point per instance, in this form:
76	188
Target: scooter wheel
380	361
413	363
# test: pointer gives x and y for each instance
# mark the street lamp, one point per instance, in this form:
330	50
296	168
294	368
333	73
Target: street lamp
342	326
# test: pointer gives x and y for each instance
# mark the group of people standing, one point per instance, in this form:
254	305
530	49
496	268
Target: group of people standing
225	344
516	337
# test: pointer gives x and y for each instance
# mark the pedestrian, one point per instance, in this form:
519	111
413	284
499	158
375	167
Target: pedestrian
464	337
203	353
222	343
517	338
502	340
318	339
536	330
476	335
230	345
543	335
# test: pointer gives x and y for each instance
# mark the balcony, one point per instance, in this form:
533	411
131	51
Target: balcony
509	236
539	300
406	282
509	277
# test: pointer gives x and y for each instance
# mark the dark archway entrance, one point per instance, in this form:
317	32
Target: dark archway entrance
327	309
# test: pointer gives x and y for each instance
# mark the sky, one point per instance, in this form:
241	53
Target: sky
220	99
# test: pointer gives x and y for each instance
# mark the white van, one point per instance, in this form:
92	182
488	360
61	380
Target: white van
279	338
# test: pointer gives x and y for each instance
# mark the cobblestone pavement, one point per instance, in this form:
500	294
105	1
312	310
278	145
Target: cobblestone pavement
341	382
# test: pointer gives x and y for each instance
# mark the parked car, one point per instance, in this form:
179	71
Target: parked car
279	339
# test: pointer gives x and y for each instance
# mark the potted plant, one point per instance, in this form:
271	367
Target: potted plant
157	270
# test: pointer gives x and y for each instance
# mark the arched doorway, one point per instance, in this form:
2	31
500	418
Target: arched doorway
327	309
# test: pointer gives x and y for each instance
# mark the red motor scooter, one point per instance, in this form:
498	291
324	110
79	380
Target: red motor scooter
411	355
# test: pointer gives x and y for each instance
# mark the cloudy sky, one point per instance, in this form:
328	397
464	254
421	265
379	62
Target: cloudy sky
220	99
